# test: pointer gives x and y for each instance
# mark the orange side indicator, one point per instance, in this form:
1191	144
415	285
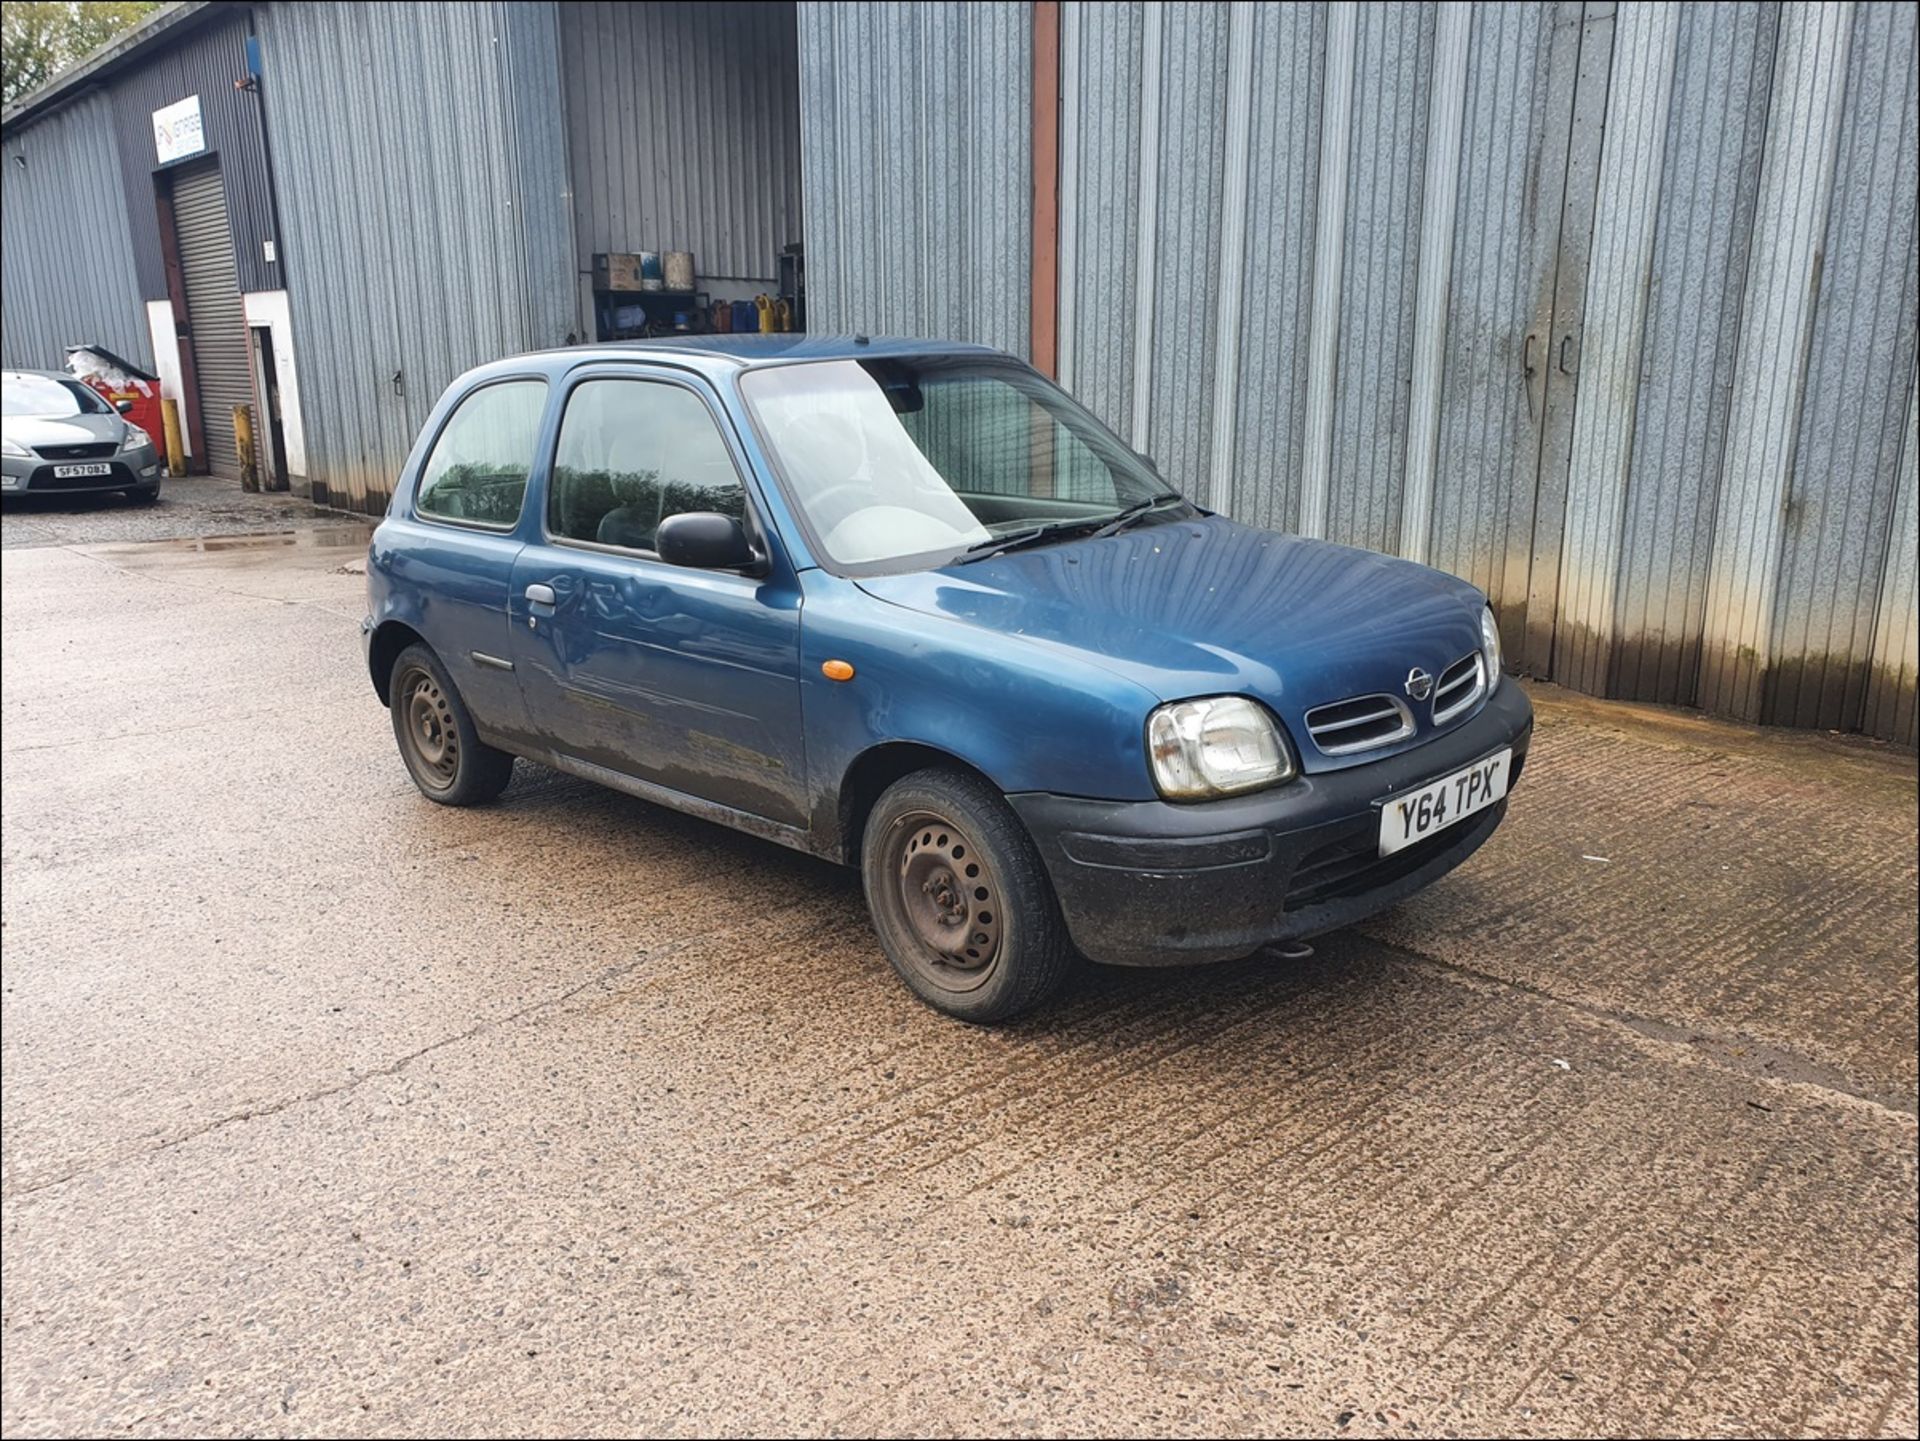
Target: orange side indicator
836	670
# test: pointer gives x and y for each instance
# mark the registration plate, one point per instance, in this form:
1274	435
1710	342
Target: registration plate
1414	816
74	472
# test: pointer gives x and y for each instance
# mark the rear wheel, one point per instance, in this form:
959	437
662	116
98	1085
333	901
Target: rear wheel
443	752
960	899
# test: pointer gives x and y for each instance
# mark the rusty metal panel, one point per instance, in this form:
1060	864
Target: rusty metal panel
1503	263
425	233
1380	270
1783	273
1709	182
1840	497
1609	351
1891	691
683	133
1582	65
69	276
916	156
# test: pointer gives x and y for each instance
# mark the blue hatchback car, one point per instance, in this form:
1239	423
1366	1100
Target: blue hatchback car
908	606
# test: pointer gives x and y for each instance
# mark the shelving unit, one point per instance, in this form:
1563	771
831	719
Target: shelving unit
659	307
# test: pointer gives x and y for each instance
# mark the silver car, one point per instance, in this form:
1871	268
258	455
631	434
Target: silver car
57	435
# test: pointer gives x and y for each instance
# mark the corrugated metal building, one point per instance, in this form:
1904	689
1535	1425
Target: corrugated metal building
1609	308
58	180
406	190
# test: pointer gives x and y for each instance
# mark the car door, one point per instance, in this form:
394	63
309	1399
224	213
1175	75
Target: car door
686	678
454	571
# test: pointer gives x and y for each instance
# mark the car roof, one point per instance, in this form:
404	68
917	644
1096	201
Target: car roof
13	372
733	353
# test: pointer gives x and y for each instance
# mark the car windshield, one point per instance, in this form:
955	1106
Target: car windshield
898	464
49	396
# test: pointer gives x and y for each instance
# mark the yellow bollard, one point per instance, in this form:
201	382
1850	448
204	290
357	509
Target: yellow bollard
170	433
243	442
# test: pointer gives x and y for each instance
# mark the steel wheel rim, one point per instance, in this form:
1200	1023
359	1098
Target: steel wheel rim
433	740
949	898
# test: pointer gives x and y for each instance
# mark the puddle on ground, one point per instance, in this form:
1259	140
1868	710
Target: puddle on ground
323	537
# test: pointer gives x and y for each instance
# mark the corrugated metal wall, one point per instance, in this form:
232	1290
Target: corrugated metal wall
1891	703
427	225
1839	507
683	123
63	226
917	168
207	63
1315	258
1709	184
1502	264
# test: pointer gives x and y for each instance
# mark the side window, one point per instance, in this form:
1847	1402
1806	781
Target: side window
477	472
632	453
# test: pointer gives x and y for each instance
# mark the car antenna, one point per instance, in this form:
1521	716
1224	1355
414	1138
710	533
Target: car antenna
859	340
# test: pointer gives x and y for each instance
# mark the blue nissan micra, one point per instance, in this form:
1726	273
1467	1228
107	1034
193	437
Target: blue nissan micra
907	605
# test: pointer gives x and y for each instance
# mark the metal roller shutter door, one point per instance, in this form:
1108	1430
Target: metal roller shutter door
214	310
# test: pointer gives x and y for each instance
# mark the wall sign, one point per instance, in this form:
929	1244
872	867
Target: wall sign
176	130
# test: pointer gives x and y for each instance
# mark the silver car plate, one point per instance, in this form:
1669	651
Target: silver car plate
1417	814
73	472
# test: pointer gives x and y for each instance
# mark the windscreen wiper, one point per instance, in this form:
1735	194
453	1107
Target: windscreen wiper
1133	513
1055	529
1019	540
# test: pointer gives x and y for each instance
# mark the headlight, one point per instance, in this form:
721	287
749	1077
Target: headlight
1220	746
1490	646
136	439
9	446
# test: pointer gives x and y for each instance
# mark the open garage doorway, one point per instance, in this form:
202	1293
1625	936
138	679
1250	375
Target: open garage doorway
683	143
214	341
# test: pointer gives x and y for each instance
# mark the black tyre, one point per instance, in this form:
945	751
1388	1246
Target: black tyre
444	754
961	900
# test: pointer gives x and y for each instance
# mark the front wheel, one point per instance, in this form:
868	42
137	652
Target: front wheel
960	899
444	753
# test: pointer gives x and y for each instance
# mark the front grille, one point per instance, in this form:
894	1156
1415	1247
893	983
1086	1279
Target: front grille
1359	724
93	450
1354	866
1461	684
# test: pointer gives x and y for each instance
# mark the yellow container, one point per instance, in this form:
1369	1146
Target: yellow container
170	432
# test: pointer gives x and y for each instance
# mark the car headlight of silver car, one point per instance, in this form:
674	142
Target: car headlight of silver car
1217	746
1490	646
136	439
9	446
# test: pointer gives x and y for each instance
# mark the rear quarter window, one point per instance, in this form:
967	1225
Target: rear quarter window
477	471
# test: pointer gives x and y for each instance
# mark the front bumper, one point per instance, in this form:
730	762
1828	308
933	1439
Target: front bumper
128	470
1147	883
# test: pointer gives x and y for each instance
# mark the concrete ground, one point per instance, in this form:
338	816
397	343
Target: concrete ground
327	1110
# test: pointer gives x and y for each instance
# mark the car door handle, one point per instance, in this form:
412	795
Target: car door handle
540	594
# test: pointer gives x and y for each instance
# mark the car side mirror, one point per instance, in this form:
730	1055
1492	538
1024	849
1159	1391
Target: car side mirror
705	540
125	407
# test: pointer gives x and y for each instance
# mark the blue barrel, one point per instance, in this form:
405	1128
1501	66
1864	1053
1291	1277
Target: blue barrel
745	317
